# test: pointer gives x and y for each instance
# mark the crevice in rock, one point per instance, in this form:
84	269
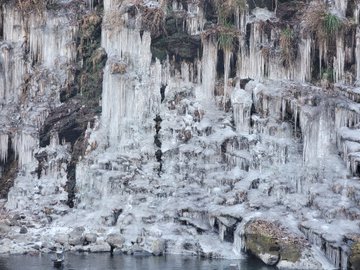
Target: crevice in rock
80	98
162	92
157	142
9	169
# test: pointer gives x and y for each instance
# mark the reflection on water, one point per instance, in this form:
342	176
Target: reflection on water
106	262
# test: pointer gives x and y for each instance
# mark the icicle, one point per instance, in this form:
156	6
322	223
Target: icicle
242	102
296	119
316	129
90	4
357	54
356	13
58	35
239	239
339	60
341	6
24	144
251	62
209	62
305	60
4	140
283	109
195	19
227	58
321	49
222	231
344	258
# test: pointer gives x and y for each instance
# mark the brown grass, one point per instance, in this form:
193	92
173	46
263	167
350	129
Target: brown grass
28	6
153	20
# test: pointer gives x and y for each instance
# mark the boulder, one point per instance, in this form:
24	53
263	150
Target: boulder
270	242
4	229
158	247
354	258
100	246
90	237
61	238
115	240
76	236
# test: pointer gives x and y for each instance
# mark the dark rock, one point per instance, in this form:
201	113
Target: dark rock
269	242
179	45
23	230
354	258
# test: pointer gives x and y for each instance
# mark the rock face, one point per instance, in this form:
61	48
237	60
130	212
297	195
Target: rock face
195	122
272	244
354	259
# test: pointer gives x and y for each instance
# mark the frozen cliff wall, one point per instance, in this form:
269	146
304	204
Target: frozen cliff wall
207	120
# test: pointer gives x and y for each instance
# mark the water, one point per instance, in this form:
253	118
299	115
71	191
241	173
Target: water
106	262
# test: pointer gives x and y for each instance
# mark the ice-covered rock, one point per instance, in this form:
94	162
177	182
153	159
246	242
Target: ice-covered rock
115	240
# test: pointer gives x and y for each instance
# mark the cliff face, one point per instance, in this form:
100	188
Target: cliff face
168	122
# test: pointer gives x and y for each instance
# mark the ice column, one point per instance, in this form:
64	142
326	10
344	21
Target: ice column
4	140
357	54
339	60
241	101
209	62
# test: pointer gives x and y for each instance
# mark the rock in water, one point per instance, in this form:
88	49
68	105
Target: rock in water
76	236
115	240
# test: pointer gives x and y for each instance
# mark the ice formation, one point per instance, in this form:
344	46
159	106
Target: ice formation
188	150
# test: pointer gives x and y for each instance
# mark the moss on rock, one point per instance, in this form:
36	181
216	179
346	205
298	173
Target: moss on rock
354	258
270	242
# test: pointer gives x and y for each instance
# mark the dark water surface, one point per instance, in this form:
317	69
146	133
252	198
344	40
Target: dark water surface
106	262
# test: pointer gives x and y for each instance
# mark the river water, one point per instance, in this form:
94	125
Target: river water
106	262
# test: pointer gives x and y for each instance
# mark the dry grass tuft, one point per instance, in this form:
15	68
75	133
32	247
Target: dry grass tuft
28	6
153	20
113	18
287	46
320	22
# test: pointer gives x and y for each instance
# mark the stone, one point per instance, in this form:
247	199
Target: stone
354	258
118	68
269	259
23	230
100	246
269	242
138	251
115	240
158	247
76	236
4	229
90	237
61	238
